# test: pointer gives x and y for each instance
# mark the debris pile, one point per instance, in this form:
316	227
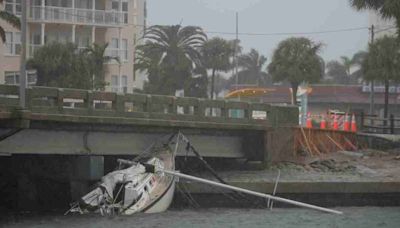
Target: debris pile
330	165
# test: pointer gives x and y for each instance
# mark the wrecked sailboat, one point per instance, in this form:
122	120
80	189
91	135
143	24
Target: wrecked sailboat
134	187
148	184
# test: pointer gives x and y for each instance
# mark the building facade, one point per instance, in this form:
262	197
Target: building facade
120	23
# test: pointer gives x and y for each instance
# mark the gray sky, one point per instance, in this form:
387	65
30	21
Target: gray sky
270	16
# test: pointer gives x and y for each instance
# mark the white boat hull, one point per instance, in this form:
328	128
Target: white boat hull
164	202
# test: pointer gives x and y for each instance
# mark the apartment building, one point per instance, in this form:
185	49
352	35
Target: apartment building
83	22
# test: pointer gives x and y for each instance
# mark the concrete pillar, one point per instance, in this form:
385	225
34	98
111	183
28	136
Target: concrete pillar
93	34
73	37
73	7
84	170
93	13
119	54
43	10
42	31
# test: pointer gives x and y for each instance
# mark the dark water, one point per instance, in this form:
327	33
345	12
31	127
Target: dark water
222	217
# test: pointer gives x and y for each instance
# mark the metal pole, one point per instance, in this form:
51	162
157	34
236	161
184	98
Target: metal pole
372	92
237	50
22	75
184	176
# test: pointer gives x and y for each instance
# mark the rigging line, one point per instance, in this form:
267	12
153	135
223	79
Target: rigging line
233	33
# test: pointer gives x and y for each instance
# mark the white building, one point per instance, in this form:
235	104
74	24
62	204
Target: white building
83	22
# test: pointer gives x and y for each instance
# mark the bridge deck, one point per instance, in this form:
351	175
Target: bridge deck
82	106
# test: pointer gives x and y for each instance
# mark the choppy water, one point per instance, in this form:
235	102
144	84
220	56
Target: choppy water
222	217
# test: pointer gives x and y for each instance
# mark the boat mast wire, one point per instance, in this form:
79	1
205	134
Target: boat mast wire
279	199
189	147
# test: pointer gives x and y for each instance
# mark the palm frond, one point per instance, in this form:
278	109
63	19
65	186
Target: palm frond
2	34
10	18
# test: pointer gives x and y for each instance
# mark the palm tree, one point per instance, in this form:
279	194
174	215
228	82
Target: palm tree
357	61
176	49
388	9
61	65
382	63
347	63
296	60
11	19
216	54
252	64
97	59
338	71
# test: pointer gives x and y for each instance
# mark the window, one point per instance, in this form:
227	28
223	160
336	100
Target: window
13	6
13	43
114	47
114	83
124	50
125	6
31	77
124	83
115	5
125	11
12	77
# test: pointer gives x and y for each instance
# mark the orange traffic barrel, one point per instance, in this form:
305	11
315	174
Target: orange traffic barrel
335	122
353	124
309	121
346	125
323	122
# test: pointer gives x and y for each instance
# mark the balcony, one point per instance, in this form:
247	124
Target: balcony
54	14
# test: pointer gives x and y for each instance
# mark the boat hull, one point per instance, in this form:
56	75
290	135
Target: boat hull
163	203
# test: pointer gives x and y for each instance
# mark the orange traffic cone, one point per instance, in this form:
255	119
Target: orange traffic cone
323	122
309	121
346	125
353	124
335	122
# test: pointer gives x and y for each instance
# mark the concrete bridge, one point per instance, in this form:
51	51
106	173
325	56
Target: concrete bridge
81	122
65	139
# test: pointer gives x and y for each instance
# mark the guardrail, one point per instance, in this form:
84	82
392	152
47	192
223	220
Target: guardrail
59	102
374	124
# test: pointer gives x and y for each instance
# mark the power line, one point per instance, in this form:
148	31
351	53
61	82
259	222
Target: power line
385	29
250	33
291	33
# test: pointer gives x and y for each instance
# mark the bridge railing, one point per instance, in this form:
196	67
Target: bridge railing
75	102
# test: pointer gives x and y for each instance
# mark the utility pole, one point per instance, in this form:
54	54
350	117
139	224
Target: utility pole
236	51
372	91
22	75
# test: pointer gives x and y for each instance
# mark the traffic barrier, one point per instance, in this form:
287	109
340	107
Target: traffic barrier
323	122
335	122
309	121
346	125
353	124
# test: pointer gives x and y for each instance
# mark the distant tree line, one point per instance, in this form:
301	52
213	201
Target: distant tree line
176	57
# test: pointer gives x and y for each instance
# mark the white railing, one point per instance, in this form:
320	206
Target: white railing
33	48
75	15
121	54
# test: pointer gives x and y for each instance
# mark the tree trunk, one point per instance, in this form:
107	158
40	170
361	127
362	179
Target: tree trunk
386	108
212	84
212	88
294	93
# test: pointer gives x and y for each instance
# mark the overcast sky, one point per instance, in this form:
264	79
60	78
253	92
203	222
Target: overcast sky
270	16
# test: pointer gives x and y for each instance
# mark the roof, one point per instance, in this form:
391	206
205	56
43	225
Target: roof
350	94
